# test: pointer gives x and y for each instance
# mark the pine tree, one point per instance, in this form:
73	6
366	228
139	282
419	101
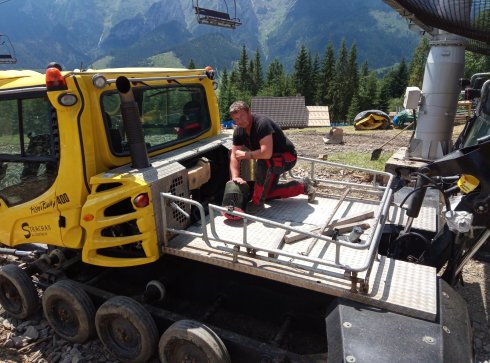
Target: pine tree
309	83
327	75
302	70
315	80
257	76
288	87
275	72
384	96
233	92
223	100
340	85
274	80
389	82
277	82
352	75
251	69
417	65
400	81
191	64
354	109
234	78
364	70
371	92
363	95
243	73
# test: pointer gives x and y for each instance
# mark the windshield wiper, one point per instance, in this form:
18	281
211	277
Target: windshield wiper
186	89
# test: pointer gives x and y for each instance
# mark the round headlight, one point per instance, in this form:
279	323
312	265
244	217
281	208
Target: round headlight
67	99
99	81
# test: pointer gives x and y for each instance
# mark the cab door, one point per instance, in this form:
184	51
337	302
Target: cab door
29	153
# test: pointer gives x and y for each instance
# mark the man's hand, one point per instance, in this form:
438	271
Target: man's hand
239	180
241	155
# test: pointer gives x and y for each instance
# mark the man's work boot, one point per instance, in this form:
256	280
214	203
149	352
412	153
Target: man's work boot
310	189
253	208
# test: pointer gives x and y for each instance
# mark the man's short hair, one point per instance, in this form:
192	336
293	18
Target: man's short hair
238	106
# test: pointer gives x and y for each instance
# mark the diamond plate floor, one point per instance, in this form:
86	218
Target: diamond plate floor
395	285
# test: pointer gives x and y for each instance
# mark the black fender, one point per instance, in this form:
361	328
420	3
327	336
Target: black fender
362	333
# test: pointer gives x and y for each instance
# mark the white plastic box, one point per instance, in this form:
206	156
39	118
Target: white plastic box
412	98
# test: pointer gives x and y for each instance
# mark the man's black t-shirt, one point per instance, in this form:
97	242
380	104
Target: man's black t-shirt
261	127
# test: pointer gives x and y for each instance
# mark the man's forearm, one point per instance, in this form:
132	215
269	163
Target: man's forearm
234	168
258	154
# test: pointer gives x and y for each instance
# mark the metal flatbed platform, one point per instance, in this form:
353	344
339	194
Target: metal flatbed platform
256	246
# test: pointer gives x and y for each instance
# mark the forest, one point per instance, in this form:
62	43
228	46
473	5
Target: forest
335	80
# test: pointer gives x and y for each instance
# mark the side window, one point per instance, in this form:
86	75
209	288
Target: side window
111	107
480	128
28	162
168	115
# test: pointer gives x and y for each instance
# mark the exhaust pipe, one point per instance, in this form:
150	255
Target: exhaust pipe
132	124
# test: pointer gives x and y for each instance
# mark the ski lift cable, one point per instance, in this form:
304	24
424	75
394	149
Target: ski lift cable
226	5
197	5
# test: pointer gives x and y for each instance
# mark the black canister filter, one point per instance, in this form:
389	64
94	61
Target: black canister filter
235	198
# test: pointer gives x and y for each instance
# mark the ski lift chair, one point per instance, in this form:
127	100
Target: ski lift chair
216	18
7	59
7	55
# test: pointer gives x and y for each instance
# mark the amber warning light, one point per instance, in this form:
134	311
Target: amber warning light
55	80
210	73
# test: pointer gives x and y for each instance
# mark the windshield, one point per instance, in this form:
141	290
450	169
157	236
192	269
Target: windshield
28	162
168	115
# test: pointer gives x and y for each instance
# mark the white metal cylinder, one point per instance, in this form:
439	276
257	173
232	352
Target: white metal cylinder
440	92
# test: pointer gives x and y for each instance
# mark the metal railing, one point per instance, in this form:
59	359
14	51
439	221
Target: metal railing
240	244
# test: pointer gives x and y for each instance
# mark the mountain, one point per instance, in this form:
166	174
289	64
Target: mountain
104	33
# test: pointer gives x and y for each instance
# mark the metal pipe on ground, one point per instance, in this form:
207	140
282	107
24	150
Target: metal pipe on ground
14	252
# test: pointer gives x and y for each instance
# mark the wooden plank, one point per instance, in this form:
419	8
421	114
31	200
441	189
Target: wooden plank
357	217
277	243
346	221
327	223
346	228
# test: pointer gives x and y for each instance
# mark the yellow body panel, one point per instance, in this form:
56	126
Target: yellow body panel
16	78
95	206
33	223
57	216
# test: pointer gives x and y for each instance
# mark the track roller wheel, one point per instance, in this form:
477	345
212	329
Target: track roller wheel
18	295
70	311
126	329
191	341
155	291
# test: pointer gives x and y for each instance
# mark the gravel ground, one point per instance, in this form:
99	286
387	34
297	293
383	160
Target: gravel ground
309	142
476	292
34	340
